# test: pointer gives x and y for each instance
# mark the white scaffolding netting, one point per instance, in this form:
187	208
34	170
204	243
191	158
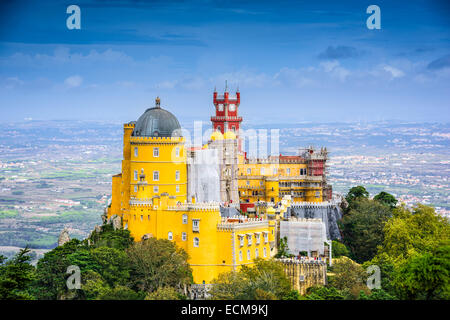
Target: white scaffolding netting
304	235
203	176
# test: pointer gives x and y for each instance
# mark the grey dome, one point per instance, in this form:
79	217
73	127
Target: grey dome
157	122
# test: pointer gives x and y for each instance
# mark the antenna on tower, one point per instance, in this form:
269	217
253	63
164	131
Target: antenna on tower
237	89
226	85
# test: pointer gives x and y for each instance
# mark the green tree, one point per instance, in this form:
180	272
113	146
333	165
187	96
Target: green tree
229	286
121	293
165	293
265	280
324	293
16	277
412	232
387	199
113	265
93	285
339	249
348	277
425	275
362	228
50	283
283	249
357	192
158	263
376	294
108	237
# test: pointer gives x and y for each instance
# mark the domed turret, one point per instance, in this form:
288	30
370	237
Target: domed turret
216	135
229	135
157	122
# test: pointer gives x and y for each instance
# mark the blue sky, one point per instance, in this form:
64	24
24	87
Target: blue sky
294	61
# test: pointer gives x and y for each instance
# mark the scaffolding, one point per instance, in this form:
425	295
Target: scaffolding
304	235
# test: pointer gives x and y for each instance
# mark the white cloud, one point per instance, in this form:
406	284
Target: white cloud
335	69
395	73
73	81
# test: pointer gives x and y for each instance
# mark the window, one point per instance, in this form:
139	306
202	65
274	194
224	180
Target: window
257	238
249	171
196	242
262	171
135	151
177	151
155	175
248	255
142	217
155	152
155	189
265	252
195	225
249	239
135	175
233	128
317	194
288	170
183	236
256	253
240	255
148	217
177	188
220	107
248	182
266	237
232	107
170	236
218	128
185	219
135	188
275	170
241	241
177	175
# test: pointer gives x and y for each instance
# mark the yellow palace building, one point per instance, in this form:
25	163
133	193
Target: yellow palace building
150	196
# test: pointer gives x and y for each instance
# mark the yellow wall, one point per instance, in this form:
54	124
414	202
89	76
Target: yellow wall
214	254
256	180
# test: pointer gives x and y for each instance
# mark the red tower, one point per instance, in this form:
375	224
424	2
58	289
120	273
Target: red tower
226	118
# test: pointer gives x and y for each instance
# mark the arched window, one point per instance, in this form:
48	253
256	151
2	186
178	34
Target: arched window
185	219
196	242
170	236
248	255
265	252
183	236
256	253
240	255
177	175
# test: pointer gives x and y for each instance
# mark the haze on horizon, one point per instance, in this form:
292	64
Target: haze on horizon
293	61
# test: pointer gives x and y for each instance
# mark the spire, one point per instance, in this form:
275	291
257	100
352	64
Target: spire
215	90
226	85
157	102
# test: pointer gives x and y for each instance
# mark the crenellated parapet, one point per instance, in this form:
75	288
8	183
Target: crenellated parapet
324	204
240	224
156	140
199	206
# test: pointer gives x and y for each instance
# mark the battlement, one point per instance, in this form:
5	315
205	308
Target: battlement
323	204
129	125
155	140
201	206
294	219
241	222
301	261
